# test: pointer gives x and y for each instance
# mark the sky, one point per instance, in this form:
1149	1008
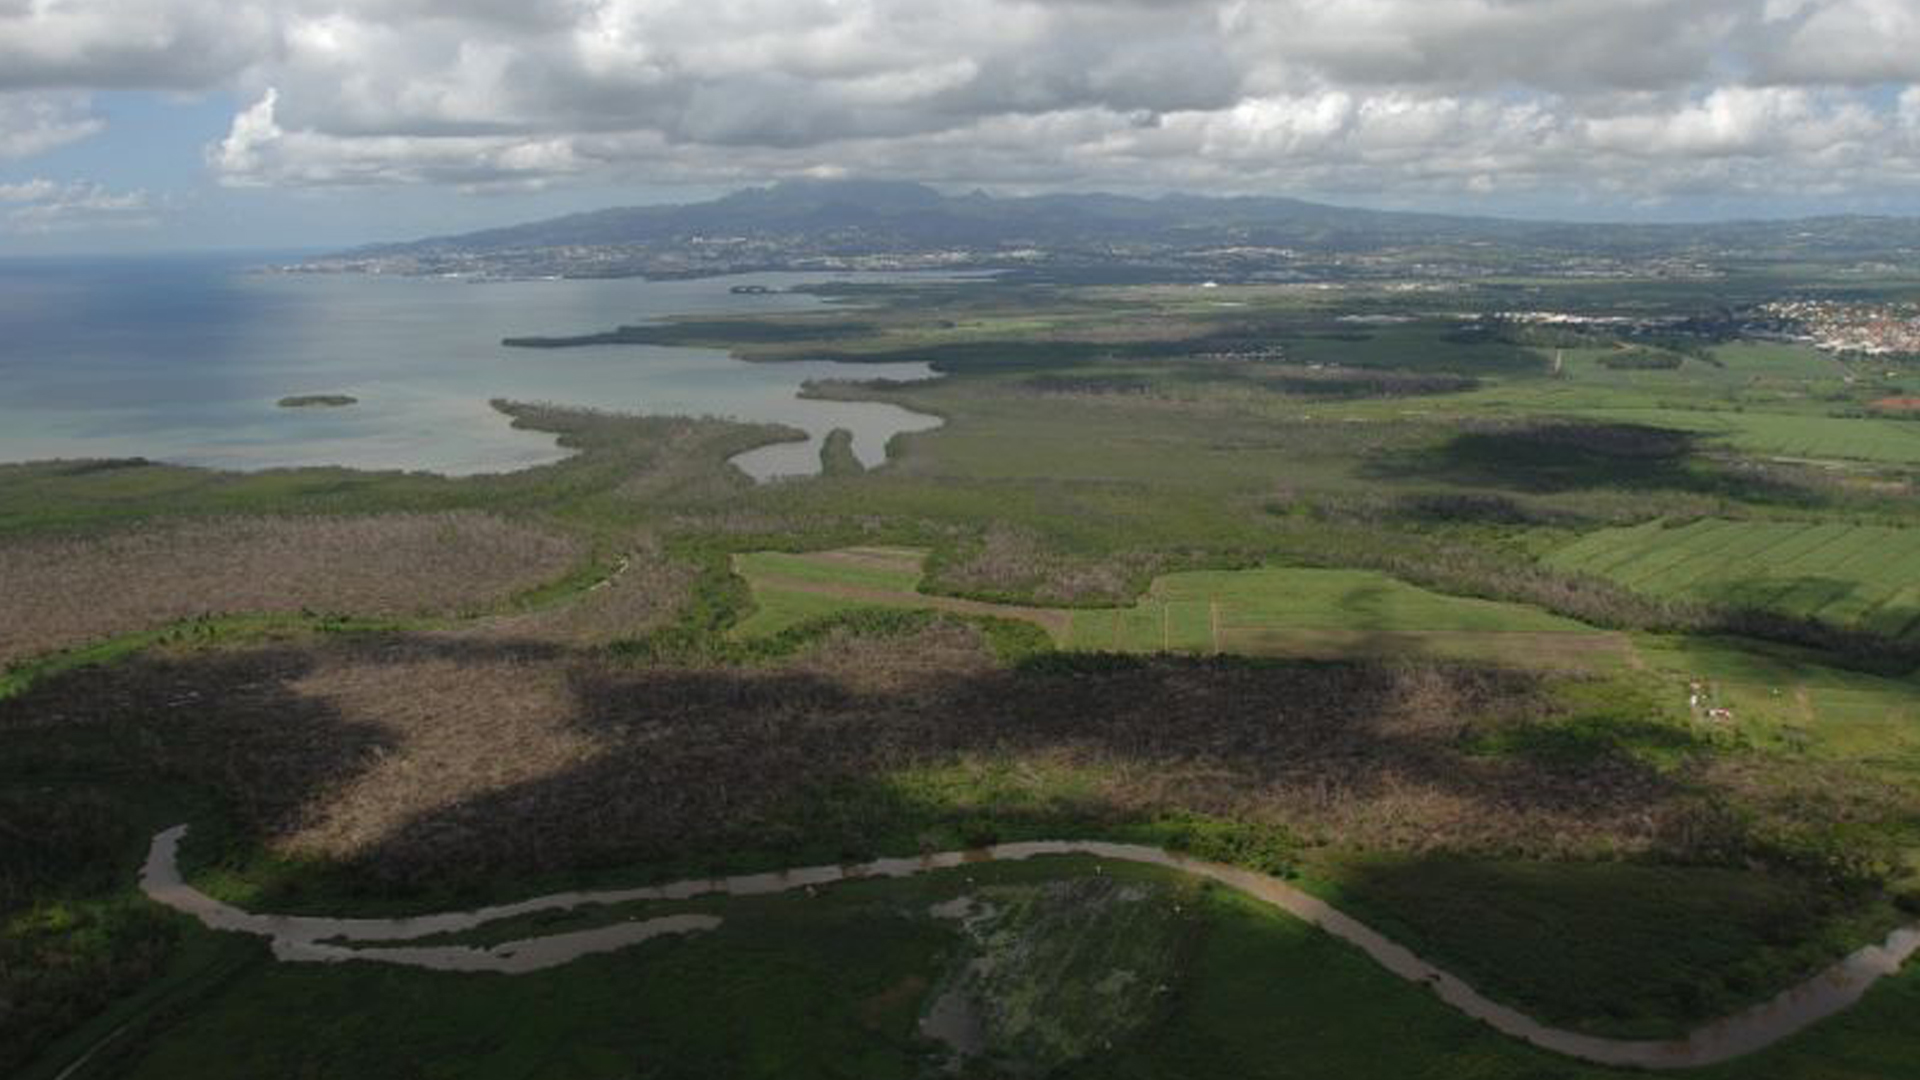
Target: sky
140	125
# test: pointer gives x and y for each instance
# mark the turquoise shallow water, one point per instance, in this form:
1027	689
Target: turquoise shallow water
183	360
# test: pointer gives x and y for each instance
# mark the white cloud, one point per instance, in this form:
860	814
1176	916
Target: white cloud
45	206
1734	121
35	122
1591	97
28	191
1844	41
258	151
176	44
1555	45
1909	109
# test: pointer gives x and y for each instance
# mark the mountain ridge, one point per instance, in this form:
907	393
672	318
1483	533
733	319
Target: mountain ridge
798	224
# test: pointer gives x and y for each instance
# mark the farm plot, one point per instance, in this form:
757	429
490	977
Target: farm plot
1792	700
897	569
1864	576
1312	613
1827	436
1790	435
791	589
1267	612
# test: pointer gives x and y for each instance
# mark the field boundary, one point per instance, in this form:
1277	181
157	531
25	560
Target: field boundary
1847	575
1054	621
1186	614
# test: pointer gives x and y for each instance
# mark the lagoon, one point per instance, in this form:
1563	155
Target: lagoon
185	359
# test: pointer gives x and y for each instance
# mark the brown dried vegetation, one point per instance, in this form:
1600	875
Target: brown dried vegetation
644	589
425	760
1008	562
57	592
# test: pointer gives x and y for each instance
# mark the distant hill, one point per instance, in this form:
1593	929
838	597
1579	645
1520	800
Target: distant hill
801	224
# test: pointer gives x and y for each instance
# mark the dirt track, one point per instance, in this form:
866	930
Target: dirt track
299	938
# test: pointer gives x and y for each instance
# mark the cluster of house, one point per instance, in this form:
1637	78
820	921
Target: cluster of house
1861	329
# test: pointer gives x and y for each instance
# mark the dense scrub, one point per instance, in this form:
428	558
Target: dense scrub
1642	359
427	770
65	591
1342	383
618	461
639	590
385	756
836	455
1007	563
71	939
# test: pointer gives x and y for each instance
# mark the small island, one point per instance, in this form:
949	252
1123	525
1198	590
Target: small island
318	401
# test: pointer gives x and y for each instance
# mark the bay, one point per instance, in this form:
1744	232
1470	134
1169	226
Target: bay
184	359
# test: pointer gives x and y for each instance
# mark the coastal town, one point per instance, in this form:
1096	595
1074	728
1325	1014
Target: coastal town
1849	329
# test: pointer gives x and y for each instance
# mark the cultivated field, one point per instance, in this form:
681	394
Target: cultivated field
1269	612
1862	576
1892	442
1303	612
61	592
1786	699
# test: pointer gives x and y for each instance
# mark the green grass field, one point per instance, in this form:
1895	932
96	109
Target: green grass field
1790	435
1310	612
1788	698
1295	612
791	589
892	569
1763	399
1863	576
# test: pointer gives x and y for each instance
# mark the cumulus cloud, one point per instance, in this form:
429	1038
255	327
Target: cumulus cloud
1615	98
46	206
174	44
1482	44
258	151
1856	42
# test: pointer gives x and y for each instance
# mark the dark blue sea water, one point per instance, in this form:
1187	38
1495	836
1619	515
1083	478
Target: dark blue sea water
183	359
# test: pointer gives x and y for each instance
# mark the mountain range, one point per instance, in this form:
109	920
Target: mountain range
864	224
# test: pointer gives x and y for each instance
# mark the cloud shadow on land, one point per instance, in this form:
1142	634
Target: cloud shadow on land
1564	456
433	771
410	765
